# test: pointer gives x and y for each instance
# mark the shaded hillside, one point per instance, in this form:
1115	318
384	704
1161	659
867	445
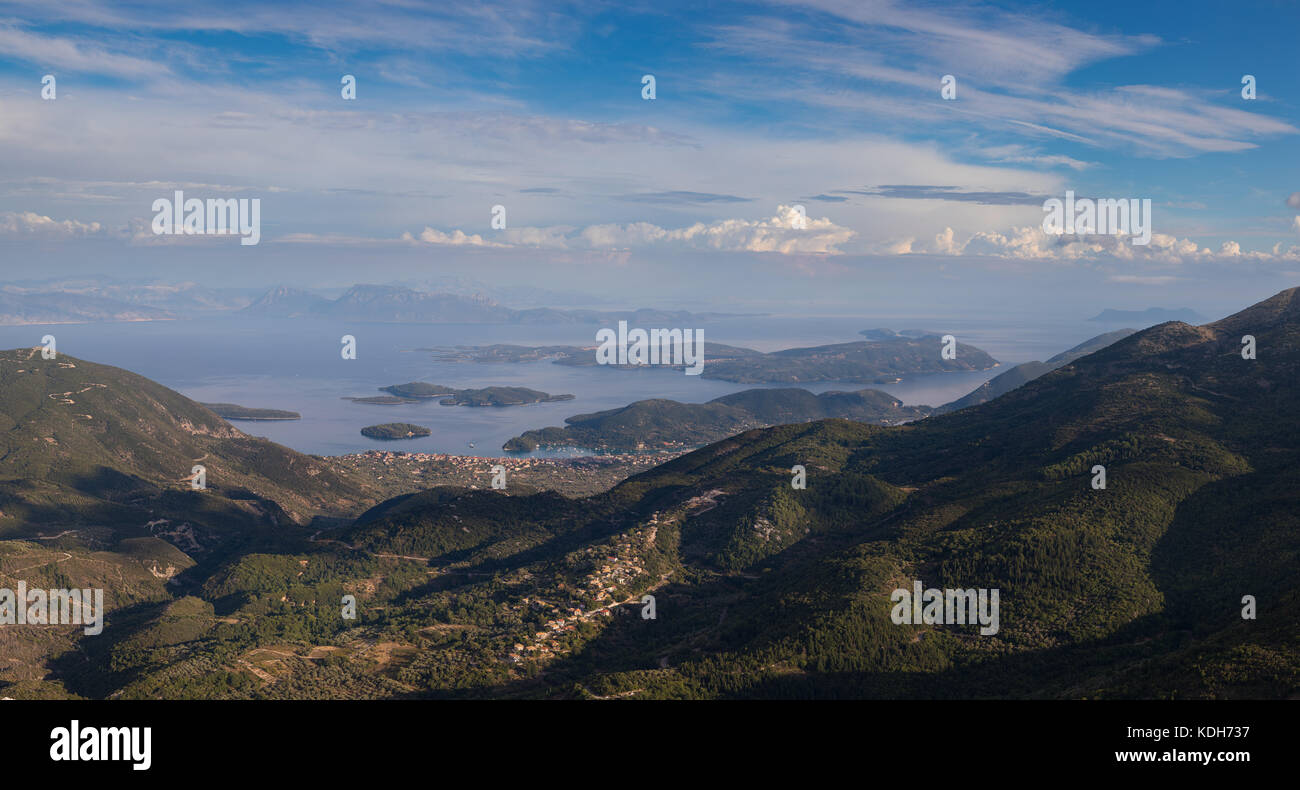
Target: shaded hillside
1028	371
81	442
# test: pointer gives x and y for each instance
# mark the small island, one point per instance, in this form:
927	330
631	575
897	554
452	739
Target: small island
231	411
395	430
488	396
381	400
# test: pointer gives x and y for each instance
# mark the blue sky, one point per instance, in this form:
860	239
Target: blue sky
827	104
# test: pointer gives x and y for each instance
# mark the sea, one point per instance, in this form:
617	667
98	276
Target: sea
295	364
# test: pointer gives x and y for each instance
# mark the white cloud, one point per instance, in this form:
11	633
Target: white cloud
887	60
787	232
67	54
29	223
456	238
1032	243
1020	154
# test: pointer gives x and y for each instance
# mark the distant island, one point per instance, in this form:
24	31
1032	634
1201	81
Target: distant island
1149	316
488	396
659	423
885	358
395	430
231	411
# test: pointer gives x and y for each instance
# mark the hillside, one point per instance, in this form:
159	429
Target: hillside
1026	372
764	589
82	443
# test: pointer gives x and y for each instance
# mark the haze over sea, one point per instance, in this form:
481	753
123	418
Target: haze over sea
295	364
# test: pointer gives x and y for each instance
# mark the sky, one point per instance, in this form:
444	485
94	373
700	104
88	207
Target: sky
799	154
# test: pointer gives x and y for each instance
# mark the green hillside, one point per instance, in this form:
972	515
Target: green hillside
85	443
765	589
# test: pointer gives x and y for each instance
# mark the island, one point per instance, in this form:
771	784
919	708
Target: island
395	430
886	357
415	391
660	424
231	411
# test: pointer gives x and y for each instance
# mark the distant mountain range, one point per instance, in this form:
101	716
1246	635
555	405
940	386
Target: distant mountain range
1149	316
101	299
396	304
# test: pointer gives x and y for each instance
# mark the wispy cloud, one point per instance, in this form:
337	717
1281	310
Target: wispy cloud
70	54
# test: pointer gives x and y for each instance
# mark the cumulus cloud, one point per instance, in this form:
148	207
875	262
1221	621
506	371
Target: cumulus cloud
1032	243
456	238
789	231
29	223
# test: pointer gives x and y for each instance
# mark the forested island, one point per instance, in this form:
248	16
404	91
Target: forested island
416	391
885	357
395	430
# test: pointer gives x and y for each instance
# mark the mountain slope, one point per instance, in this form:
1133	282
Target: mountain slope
767	589
1021	374
83	441
1131	590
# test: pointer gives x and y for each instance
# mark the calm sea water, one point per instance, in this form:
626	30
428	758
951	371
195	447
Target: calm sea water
296	365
